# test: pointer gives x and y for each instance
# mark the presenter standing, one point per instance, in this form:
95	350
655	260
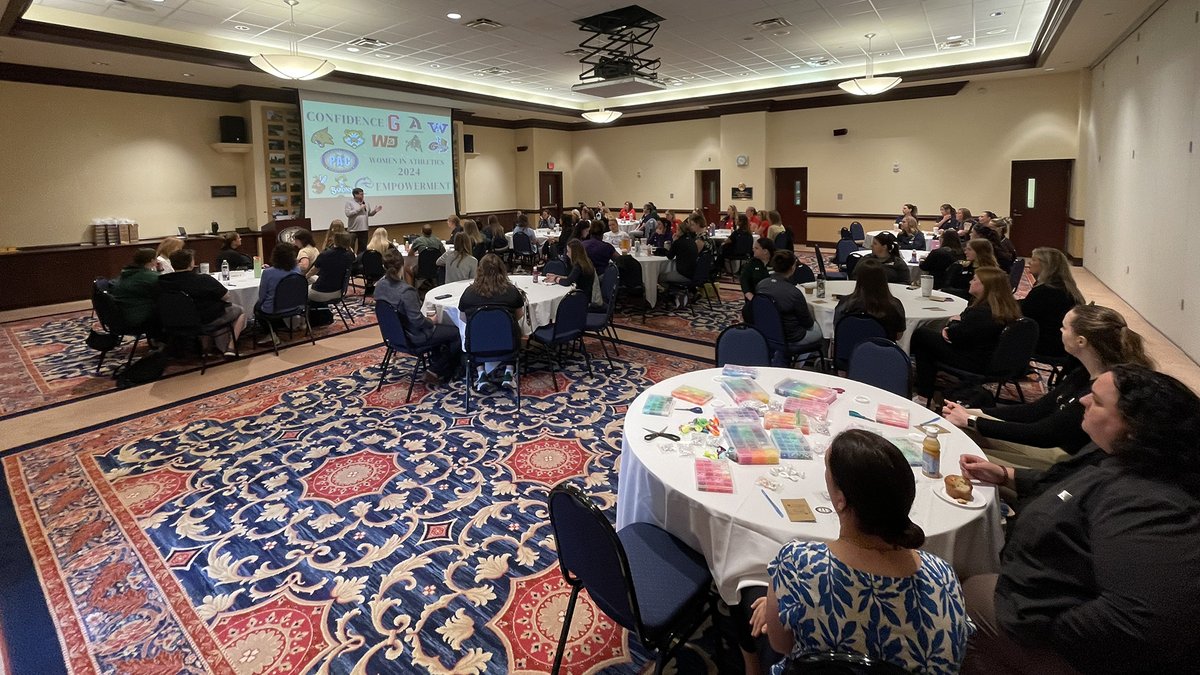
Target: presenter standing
357	213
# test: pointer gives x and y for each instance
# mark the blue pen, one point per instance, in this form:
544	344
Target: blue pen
772	503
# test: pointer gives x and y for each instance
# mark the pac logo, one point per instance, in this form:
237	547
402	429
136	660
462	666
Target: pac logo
353	138
439	145
338	160
413	144
438	127
322	137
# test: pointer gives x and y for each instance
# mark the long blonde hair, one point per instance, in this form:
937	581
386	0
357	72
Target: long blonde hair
1056	272
168	246
1107	333
335	226
380	242
997	293
471	229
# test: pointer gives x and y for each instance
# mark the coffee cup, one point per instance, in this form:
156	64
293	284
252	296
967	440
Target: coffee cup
203	268
926	285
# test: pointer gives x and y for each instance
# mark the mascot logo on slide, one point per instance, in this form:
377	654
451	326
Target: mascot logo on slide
439	145
413	144
322	138
353	138
318	184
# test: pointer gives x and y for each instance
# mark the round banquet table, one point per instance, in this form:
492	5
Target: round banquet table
243	290
918	311
629	225
929	235
542	302
740	533
540	236
652	266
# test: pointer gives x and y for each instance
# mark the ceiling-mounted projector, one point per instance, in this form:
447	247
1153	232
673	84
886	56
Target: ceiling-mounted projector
615	59
618	86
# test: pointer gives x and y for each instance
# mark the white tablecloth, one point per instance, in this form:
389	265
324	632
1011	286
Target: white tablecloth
243	290
540	235
542	303
740	533
896	231
918	311
629	225
652	266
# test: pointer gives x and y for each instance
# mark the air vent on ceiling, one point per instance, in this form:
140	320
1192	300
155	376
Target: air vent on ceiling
139	5
494	71
369	43
486	25
820	61
576	52
773	24
955	44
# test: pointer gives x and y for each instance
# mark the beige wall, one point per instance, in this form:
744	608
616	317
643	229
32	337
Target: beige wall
1143	171
78	154
489	181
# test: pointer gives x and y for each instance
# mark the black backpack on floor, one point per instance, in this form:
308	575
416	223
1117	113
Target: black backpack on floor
146	369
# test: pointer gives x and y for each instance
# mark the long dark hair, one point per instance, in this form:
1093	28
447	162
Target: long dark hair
1162	418
871	291
284	256
580	259
393	264
889	241
878	484
951	240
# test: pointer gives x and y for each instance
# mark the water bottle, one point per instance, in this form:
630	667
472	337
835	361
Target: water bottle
821	287
224	270
931	456
535	274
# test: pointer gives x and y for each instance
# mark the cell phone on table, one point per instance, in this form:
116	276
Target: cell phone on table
441	297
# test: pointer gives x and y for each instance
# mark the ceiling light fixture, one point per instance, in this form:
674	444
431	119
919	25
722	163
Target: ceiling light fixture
454	16
352	49
601	116
293	65
869	85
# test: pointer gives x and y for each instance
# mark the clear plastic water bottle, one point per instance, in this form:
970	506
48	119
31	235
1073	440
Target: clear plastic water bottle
821	287
224	270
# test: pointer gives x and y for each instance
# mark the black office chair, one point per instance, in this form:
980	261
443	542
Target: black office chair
769	322
181	321
1009	362
291	302
112	320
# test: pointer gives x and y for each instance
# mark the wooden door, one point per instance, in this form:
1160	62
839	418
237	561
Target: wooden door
791	201
1039	203
550	192
710	195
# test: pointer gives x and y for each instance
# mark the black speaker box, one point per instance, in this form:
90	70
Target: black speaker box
468	142
840	132
233	129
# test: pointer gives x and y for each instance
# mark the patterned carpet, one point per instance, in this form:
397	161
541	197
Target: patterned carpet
44	361
308	524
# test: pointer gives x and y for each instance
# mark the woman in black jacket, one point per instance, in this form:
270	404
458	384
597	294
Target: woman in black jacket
885	248
941	258
1054	293
958	276
969	341
229	253
1041	433
1101	572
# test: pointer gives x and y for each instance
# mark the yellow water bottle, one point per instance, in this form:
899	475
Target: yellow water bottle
931	456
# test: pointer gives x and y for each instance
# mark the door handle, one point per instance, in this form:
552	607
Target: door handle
1016	213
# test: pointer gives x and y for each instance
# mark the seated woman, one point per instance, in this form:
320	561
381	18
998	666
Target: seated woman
965	222
948	220
163	253
1004	256
582	275
336	227
395	290
495	235
306	253
1041	433
660	238
1054	293
872	296
332	266
885	249
754	271
942	258
911	237
729	218
871	591
774	225
213	306
283	263
478	246
799	329
740	242
237	260
521	226
976	255
459	263
492	287
1101	572
627	212
969	341
136	291
614	236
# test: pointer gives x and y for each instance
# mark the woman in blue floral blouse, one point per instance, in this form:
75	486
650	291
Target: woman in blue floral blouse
870	591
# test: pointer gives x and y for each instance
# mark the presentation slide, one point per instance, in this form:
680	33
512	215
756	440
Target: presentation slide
400	155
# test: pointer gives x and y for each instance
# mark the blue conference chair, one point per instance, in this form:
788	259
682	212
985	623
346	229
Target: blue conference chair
881	363
600	323
742	345
769	322
849	332
570	321
492	335
395	337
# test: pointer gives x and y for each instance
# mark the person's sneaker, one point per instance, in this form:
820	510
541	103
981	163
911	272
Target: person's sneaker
506	380
230	354
481	384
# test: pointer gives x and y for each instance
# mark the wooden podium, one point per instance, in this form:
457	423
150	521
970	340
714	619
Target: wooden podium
272	231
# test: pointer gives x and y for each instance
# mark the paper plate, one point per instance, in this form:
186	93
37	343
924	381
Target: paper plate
977	502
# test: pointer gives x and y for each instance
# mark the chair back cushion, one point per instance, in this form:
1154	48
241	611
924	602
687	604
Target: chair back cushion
703	267
1016	346
608	283
881	363
856	231
391	326
1015	274
783	240
844	248
767	319
850	331
803	275
427	267
630	271
555	267
852	261
570	318
742	345
372	264
492	331
291	295
521	243
589	552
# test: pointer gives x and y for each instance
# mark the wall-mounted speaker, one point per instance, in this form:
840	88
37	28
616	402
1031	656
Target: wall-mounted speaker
233	129
522	148
468	142
840	132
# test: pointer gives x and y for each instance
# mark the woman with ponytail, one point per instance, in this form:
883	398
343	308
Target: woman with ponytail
871	591
1036	435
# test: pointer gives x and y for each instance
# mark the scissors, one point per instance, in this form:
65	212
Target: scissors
694	409
661	433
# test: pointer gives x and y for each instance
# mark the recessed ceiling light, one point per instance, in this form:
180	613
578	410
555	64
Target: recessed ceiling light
186	74
747	74
996	31
454	16
241	27
101	63
514	82
435	65
781	33
383	56
352	49
545	88
748	38
884	54
688	77
677	84
996	13
796	66
1047	69
954	37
